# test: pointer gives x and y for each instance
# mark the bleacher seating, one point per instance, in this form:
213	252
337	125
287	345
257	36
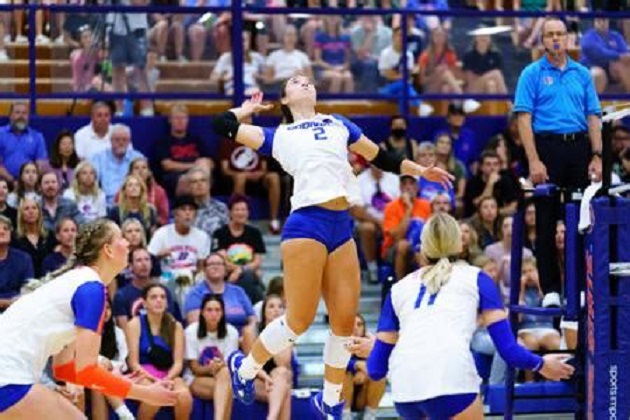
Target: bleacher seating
54	74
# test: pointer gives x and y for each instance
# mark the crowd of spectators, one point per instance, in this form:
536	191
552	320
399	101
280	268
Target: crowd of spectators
194	281
345	53
185	245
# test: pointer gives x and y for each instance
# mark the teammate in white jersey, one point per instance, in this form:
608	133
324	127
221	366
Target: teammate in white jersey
426	326
63	318
318	254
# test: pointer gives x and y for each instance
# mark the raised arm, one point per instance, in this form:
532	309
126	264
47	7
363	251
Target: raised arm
228	124
391	163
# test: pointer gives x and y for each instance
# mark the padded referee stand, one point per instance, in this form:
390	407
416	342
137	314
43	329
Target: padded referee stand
543	396
608	308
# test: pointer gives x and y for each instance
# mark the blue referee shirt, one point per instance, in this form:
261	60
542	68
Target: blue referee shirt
559	100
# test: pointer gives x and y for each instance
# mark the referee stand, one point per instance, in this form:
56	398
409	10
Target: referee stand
546	396
597	262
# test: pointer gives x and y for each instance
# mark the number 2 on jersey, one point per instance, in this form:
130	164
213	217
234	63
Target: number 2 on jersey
320	133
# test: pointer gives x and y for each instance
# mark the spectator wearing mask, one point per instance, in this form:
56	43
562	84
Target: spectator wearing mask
399	142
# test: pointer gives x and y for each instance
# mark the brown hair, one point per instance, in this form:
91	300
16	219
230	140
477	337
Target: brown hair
168	322
286	112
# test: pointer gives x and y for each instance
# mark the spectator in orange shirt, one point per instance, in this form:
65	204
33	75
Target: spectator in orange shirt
399	216
438	64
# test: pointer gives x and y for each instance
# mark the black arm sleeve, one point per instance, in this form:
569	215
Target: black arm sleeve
226	125
387	161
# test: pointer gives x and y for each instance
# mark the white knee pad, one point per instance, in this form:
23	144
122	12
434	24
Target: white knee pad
336	352
277	336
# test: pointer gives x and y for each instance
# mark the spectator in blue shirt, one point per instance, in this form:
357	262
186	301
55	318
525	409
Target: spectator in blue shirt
467	148
606	53
19	143
65	233
559	125
238	308
128	300
332	56
429	189
16	267
112	164
54	206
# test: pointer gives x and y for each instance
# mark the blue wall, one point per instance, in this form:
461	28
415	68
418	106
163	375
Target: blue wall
148	132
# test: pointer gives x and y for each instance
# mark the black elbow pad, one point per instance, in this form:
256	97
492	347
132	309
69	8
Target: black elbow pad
226	125
387	161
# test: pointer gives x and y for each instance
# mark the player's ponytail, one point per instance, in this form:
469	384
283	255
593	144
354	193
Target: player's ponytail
437	275
441	243
34	284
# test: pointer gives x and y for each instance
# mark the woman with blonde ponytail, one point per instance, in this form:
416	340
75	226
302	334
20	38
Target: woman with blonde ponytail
62	317
426	327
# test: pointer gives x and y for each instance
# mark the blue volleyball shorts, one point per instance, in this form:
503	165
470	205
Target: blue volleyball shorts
332	228
11	395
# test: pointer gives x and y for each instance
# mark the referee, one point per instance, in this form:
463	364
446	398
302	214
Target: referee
559	124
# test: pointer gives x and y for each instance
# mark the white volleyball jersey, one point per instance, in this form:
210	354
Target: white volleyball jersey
315	153
42	323
432	356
